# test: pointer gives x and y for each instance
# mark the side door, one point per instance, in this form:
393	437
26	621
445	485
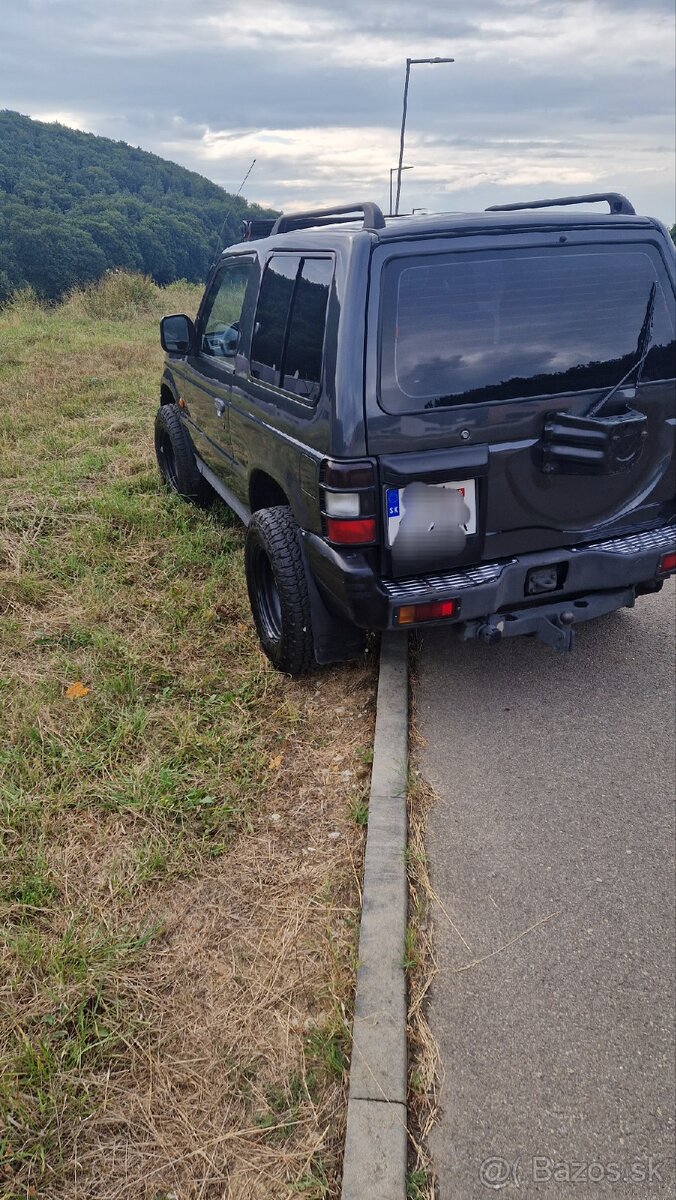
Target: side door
210	370
283	402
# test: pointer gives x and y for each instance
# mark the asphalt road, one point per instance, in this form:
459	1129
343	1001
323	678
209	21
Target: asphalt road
552	851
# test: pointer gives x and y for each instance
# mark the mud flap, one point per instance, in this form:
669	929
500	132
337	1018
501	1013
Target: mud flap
552	623
335	640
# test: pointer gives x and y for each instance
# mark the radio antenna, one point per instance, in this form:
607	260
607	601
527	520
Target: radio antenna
225	219
253	164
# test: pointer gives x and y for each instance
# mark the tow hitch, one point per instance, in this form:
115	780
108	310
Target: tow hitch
552	623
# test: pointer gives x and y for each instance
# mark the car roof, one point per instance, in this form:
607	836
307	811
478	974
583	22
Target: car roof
430	224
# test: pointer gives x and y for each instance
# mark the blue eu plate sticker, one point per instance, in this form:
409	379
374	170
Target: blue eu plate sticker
393	502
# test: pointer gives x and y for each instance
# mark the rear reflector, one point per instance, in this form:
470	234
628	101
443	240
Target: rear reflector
668	563
437	610
351	533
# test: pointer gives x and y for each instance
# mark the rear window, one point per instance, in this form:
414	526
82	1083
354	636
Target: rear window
469	328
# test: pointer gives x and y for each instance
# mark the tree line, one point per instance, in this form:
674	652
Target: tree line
73	205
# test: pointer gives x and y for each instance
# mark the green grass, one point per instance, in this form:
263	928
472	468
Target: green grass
328	1046
79	1025
315	1184
282	1111
110	799
411	957
359	810
113	583
417	1184
107	581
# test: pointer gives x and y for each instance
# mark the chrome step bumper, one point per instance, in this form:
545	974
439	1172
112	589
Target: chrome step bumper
662	539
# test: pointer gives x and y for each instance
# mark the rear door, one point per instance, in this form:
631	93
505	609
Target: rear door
490	372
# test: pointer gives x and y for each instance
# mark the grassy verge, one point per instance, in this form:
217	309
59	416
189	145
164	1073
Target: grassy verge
423	1057
180	827
424	1066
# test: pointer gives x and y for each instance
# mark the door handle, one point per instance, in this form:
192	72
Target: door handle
219	405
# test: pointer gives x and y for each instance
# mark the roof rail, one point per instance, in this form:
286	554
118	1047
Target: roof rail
616	202
373	217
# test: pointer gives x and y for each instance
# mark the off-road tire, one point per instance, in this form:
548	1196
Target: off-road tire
176	458
278	590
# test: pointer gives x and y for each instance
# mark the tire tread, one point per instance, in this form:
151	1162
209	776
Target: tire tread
278	532
192	484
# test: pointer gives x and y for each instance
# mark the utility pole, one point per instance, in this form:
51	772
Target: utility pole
392	170
410	62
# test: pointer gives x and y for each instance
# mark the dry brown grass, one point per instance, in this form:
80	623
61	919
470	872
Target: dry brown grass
228	1086
181	846
424	1063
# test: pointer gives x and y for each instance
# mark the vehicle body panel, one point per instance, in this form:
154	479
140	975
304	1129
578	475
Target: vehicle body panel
521	507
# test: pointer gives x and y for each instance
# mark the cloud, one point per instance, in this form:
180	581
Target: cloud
543	93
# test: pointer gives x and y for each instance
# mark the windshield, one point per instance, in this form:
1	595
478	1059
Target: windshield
472	327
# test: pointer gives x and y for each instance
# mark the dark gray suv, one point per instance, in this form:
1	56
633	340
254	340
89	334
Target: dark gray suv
465	418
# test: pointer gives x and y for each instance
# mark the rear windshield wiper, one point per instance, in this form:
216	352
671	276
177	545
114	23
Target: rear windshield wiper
643	349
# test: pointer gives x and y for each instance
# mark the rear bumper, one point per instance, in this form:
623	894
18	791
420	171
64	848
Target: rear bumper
615	568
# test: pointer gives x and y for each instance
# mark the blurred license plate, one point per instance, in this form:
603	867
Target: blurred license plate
396	507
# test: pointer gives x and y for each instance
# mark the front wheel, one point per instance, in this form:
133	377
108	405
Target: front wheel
278	590
176	457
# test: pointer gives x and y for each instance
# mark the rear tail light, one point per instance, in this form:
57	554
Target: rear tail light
436	610
348	494
668	563
351	533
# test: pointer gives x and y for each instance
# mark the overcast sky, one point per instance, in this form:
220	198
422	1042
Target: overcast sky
545	96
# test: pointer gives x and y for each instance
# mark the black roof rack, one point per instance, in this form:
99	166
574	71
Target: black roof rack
617	203
373	217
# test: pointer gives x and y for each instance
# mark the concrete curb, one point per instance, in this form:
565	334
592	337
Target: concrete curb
376	1141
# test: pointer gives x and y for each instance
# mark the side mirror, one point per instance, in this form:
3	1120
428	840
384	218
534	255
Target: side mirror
177	334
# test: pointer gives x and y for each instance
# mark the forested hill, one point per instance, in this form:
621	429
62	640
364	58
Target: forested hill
73	205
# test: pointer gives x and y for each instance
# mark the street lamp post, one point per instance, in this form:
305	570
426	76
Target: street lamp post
392	170
410	62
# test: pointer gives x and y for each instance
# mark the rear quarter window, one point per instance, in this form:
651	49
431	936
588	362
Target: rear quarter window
474	327
290	324
272	315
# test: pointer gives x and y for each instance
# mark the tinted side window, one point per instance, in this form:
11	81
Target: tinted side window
220	319
274	304
305	342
